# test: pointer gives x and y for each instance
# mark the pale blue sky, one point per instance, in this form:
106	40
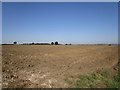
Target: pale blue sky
64	22
0	23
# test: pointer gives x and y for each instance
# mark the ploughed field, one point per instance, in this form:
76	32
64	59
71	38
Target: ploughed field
47	66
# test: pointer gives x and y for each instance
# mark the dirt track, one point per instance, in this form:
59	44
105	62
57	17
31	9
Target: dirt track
39	66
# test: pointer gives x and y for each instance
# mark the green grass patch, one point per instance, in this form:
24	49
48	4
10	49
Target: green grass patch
105	74
115	82
95	80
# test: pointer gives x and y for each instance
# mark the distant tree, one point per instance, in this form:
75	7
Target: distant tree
14	42
66	44
52	43
33	43
56	43
109	44
70	44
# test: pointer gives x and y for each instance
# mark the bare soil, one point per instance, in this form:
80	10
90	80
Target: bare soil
47	66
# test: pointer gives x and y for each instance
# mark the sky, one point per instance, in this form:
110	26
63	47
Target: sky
0	23
65	22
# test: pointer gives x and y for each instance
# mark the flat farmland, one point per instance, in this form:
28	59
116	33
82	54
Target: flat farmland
48	66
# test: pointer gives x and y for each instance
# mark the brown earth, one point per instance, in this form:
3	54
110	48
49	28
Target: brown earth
46	66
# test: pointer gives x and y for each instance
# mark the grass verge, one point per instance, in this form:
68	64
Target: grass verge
99	79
